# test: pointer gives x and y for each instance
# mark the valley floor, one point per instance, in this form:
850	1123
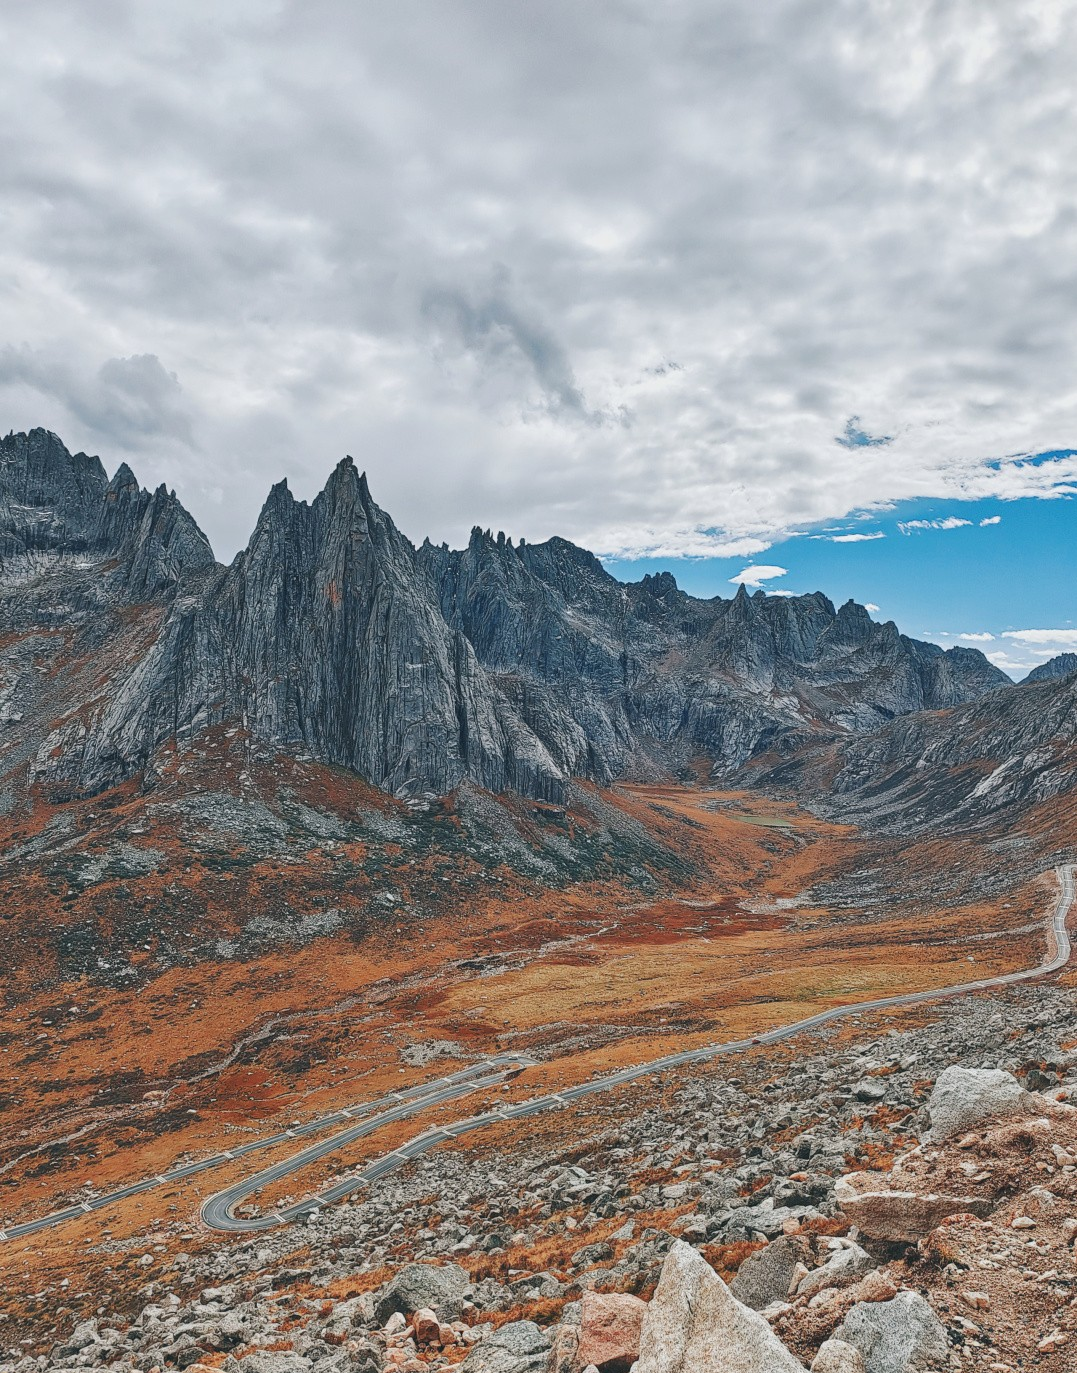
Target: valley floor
760	916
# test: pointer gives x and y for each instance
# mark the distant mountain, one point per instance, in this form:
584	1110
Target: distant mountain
513	666
1060	666
1011	754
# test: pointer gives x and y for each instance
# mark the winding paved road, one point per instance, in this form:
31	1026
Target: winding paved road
218	1211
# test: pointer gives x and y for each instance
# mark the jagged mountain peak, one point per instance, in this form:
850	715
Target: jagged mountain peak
512	665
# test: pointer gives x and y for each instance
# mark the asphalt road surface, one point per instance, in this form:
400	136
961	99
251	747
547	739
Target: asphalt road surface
368	1115
218	1211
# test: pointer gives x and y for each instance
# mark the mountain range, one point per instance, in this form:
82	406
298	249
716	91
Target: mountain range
516	666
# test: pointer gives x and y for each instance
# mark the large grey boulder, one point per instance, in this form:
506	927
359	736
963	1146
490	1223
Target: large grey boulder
517	1348
899	1336
963	1098
694	1324
440	1287
766	1275
835	1356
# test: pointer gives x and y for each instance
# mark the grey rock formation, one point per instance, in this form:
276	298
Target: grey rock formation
694	1324
516	667
899	1336
441	1287
963	1098
521	1347
1062	665
1008	751
767	1275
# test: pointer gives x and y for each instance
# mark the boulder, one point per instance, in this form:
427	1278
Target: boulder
694	1324
899	1216
767	1275
835	1356
426	1325
421	1285
517	1348
274	1361
566	1343
899	1336
609	1330
844	1267
963	1098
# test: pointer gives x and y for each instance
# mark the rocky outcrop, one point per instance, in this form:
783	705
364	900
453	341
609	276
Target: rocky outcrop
1007	752
417	1286
62	505
516	667
1062	665
694	1324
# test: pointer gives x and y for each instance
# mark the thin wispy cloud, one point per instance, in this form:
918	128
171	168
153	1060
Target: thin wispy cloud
950	522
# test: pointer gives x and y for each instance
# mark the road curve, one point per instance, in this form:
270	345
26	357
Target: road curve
392	1106
218	1211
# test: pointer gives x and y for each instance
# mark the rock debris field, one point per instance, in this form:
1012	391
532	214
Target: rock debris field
886	1199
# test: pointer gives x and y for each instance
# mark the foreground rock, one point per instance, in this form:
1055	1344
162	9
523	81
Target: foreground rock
900	1216
517	1348
768	1275
694	1324
609	1331
419	1286
835	1356
965	1097
899	1336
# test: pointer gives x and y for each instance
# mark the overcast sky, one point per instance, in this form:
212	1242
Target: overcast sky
659	277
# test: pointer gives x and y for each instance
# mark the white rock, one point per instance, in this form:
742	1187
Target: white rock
694	1324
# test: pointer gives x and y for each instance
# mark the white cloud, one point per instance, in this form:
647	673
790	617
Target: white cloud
635	543
983	638
950	522
991	519
756	576
1065	638
1027	648
386	230
870	605
778	591
856	538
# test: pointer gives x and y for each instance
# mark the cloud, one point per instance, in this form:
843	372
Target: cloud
991	519
983	638
950	522
126	402
756	576
856	538
465	243
870	605
1062	638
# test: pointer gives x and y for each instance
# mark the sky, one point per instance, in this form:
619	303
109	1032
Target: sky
703	287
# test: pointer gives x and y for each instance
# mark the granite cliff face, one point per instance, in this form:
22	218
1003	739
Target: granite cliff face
513	666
